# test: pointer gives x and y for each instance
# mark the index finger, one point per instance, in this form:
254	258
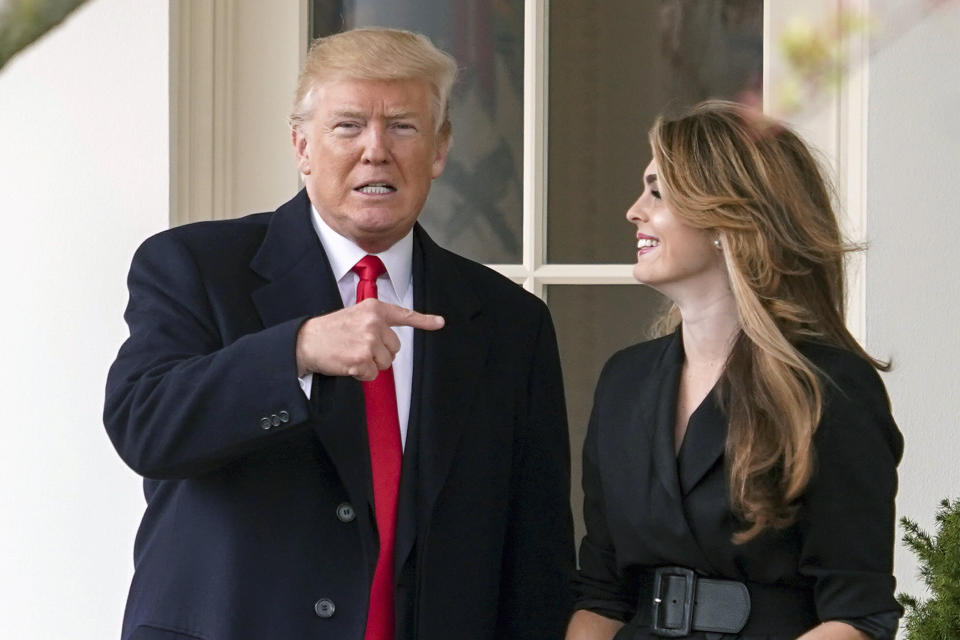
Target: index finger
400	317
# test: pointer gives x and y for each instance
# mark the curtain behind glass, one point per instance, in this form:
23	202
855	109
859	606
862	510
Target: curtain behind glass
613	67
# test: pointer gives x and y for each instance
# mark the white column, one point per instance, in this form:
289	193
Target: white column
84	165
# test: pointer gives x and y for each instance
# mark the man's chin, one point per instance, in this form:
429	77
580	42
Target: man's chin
374	238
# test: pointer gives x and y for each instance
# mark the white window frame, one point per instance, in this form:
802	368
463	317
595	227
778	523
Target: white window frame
210	126
836	125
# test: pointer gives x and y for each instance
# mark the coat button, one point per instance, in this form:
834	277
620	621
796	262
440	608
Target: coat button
284	416
275	420
345	512
265	423
325	608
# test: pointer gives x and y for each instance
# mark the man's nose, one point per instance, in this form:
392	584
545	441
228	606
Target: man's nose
376	145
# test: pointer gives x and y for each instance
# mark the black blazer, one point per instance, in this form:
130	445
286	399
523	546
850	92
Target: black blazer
645	507
259	520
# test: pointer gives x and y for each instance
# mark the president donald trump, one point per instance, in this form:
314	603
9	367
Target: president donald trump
345	431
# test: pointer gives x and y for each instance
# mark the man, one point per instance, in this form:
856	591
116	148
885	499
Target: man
319	467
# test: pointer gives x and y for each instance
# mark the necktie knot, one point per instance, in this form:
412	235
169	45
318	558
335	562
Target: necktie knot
369	268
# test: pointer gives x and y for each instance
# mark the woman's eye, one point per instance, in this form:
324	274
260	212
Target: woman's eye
655	193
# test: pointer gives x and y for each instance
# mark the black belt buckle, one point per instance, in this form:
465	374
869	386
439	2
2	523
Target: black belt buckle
671	613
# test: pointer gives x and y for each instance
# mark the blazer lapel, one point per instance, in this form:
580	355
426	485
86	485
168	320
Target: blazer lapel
670	512
700	449
301	283
705	438
666	388
704	443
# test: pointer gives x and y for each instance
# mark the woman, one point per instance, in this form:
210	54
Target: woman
740	472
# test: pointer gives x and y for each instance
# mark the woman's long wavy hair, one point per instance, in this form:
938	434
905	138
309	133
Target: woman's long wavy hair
755	183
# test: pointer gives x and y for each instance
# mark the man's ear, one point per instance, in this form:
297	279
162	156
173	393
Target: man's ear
300	150
443	148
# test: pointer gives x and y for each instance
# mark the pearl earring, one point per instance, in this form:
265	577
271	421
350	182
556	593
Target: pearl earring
716	243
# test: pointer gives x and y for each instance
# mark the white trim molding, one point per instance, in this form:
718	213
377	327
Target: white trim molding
201	39
567	274
852	168
229	96
230	151
535	123
833	119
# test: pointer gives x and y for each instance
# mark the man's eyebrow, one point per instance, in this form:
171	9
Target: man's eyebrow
401	115
362	115
348	113
650	178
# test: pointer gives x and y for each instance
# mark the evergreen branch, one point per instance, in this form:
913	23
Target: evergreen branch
24	21
938	617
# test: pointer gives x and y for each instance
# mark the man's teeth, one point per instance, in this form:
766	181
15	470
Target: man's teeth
377	188
647	242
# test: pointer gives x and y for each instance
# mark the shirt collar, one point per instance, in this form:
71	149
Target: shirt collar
343	254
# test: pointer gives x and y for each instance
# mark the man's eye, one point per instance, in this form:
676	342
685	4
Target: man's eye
346	126
404	126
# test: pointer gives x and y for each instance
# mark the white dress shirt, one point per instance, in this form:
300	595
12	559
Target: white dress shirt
395	287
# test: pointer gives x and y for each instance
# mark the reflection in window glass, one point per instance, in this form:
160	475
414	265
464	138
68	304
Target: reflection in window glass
475	207
613	67
593	322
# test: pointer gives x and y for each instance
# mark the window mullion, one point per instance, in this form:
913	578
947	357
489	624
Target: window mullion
534	140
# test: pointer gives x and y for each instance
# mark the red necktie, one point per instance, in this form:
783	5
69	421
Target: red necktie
383	432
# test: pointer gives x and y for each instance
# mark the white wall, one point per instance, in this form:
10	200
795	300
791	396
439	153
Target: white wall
84	166
913	264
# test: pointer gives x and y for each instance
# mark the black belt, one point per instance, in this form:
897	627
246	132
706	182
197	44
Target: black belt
674	601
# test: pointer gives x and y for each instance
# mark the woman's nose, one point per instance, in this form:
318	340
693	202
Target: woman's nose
637	212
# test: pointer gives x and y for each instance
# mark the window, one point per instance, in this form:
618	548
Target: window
550	121
549	149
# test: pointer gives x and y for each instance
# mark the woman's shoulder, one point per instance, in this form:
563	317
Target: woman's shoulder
643	354
631	365
856	406
846	374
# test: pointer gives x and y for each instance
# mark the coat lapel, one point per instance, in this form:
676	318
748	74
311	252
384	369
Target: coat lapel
301	283
291	258
445	385
410	472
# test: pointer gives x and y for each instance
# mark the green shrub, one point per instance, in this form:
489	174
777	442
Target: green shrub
937	618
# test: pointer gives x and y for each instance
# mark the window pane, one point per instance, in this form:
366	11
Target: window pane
613	67
593	322
475	207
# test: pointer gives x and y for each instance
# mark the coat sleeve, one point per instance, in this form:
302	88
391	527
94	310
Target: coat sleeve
847	517
538	557
599	585
179	401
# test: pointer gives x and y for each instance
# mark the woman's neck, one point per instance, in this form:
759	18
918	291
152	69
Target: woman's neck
710	326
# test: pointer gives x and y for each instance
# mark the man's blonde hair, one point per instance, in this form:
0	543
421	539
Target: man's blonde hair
377	54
